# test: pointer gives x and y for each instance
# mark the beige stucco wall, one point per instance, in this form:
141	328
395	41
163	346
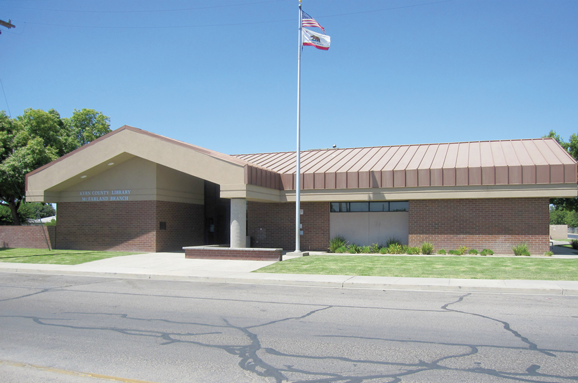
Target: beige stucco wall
559	231
92	160
175	186
135	179
458	192
261	194
367	228
120	147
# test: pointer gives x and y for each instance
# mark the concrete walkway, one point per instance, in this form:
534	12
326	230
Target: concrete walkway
174	266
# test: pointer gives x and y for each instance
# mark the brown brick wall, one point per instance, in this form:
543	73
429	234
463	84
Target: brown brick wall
32	237
273	225
185	225
234	254
118	226
496	224
129	225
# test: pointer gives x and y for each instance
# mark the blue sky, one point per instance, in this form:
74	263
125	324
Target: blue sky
222	74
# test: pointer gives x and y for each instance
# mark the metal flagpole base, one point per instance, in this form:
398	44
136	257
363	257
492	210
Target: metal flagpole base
298	253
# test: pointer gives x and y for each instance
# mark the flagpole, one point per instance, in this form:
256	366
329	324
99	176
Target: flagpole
298	151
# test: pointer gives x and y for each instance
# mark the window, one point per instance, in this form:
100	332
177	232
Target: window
379	206
399	206
373	206
337	207
358	206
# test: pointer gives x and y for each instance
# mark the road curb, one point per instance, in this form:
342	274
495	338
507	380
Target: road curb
338	282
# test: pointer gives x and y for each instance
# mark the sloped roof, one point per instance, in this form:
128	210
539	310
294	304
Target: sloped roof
125	143
208	152
511	162
486	163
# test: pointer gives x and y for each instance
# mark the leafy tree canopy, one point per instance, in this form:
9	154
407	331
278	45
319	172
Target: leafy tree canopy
27	211
36	138
569	204
87	125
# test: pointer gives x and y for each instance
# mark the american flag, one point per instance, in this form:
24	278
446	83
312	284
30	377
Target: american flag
308	21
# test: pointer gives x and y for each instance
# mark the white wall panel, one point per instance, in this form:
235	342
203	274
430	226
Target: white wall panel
370	227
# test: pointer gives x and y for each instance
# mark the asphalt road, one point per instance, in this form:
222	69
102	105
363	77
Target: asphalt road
80	329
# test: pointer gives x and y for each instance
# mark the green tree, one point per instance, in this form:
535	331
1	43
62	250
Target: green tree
27	211
37	138
569	204
572	220
87	125
558	217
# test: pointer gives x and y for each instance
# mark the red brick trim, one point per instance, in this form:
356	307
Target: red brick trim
204	252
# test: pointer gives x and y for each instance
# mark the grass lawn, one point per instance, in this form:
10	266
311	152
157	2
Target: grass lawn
431	267
56	257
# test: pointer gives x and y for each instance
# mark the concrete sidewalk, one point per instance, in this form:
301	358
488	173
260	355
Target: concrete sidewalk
174	267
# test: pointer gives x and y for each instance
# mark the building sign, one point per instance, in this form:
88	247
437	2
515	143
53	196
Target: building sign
104	195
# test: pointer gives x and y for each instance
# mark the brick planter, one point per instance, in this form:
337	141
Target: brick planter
216	252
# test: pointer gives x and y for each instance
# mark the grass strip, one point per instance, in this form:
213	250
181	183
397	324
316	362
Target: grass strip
56	257
431	267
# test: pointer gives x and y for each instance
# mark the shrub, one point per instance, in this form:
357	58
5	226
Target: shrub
374	248
427	248
392	241
453	252
336	243
473	252
353	249
365	249
574	244
395	248
441	251
487	252
548	254
383	250
51	223
461	250
341	249
413	250
521	249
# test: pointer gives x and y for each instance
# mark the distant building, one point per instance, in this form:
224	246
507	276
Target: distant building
134	190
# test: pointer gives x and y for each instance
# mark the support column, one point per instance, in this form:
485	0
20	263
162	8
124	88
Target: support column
238	223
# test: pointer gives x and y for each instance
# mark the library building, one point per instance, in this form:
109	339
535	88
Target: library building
133	190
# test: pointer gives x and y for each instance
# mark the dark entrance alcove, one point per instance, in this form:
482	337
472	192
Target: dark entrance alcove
217	216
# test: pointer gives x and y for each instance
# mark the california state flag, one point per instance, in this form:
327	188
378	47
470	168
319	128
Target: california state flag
317	40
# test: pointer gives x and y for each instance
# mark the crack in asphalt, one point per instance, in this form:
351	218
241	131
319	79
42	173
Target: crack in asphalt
252	356
45	290
25	296
251	362
232	300
510	348
507	327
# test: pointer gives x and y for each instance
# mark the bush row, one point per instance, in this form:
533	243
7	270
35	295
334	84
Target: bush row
394	246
